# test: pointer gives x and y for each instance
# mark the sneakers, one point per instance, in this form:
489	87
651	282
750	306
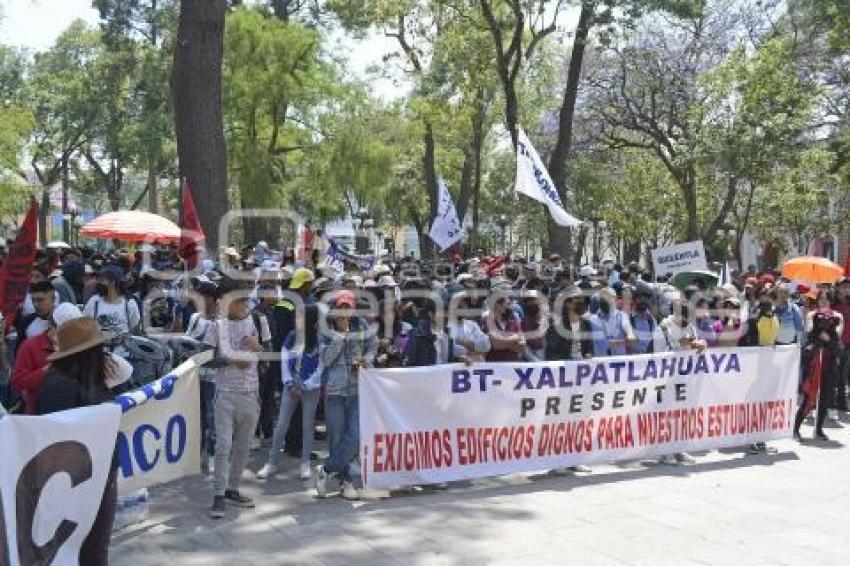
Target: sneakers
306	472
349	491
322	478
819	435
684	458
235	498
757	448
580	469
267	471
668	459
217	509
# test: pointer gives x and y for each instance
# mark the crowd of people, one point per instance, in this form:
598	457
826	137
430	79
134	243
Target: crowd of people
290	337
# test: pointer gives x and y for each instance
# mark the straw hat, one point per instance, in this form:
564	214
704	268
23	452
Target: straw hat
77	335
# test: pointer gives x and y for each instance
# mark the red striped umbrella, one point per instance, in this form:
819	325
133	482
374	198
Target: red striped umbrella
132	226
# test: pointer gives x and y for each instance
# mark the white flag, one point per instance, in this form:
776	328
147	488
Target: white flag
534	181
446	229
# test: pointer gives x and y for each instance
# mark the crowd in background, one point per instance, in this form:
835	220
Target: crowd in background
290	336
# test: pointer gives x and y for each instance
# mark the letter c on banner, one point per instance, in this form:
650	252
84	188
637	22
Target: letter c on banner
68	457
145	465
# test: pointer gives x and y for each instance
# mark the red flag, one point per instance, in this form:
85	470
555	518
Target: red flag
495	264
307	238
15	272
811	387
192	235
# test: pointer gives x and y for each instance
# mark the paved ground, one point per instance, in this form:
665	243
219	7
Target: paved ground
792	508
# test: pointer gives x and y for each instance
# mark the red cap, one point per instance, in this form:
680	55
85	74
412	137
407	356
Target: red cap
345	299
802	288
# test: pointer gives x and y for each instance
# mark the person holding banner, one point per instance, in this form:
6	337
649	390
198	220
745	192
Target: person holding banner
348	346
503	328
569	337
78	377
302	382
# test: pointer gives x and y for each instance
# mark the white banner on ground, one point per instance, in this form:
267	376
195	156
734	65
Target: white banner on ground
533	181
446	229
451	422
160	436
689	256
53	474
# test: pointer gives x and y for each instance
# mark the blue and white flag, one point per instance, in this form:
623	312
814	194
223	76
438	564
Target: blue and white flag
446	229
337	256
533	180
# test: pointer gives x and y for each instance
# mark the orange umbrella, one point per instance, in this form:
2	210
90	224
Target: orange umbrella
132	226
812	268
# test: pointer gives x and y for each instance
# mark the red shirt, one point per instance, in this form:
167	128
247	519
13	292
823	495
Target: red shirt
30	368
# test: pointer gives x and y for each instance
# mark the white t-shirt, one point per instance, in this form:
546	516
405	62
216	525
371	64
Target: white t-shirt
112	317
37	327
227	336
575	345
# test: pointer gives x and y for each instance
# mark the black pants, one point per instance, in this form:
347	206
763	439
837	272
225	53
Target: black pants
270	385
843	377
95	548
823	404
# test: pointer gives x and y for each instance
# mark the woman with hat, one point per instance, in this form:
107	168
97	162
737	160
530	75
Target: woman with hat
79	376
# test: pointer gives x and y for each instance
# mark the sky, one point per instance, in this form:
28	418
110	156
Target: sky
35	25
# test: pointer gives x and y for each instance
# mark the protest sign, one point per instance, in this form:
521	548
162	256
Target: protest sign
52	481
689	256
160	436
451	422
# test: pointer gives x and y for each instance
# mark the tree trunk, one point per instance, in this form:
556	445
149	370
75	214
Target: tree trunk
43	213
560	238
426	249
472	155
153	187
196	89
66	225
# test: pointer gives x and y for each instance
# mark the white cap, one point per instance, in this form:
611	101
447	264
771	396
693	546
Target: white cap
463	277
65	312
386	281
207	265
586	271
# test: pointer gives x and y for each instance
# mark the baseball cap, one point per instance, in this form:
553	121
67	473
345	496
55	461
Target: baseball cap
65	312
301	276
345	299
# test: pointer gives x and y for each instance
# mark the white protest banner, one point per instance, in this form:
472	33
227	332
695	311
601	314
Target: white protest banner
533	180
689	256
160	436
446	229
54	472
451	422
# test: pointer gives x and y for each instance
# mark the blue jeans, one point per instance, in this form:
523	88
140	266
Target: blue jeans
309	402
342	417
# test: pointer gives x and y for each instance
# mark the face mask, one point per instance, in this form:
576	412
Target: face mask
101	289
